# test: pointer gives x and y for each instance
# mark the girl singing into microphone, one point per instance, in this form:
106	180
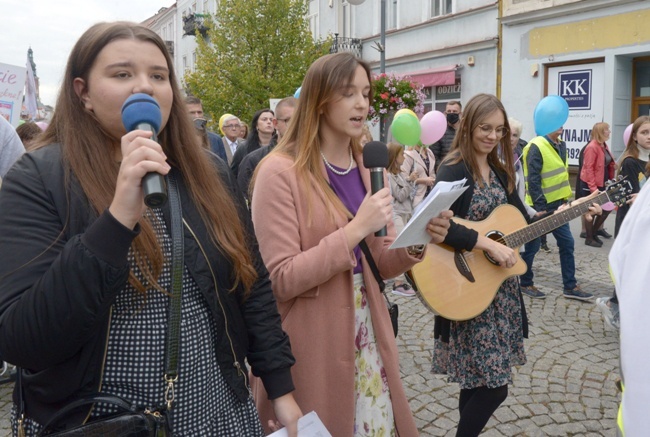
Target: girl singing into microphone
311	208
85	266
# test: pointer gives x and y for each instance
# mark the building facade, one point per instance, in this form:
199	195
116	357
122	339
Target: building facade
594	53
449	46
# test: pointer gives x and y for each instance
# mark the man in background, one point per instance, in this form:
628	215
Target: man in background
195	109
547	188
283	113
440	148
230	128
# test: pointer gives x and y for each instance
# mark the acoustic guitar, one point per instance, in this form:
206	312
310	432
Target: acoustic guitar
460	285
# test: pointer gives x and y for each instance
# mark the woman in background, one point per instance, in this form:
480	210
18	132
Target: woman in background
420	159
401	188
598	166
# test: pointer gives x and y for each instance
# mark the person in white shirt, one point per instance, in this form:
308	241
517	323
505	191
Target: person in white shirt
10	146
631	274
231	128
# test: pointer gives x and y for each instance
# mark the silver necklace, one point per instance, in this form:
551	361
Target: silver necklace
340	173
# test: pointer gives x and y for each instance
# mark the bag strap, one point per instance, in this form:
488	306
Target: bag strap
371	261
113	400
174	315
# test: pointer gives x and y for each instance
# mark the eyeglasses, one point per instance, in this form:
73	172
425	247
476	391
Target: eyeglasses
265	119
285	120
500	131
231	126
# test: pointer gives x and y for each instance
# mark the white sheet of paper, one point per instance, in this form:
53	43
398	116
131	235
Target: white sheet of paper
438	200
309	425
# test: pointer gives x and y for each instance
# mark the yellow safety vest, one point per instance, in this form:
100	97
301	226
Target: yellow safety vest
555	174
619	416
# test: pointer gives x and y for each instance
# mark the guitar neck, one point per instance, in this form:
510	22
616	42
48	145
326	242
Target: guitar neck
554	221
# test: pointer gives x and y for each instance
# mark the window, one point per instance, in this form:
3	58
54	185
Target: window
441	7
205	7
313	25
193	61
184	63
436	97
392	8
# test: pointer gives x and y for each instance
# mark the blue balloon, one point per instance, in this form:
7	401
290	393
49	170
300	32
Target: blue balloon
550	114
297	93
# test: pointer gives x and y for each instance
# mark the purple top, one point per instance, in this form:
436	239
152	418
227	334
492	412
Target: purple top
350	189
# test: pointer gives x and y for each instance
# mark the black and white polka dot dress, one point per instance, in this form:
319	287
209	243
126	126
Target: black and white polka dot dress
204	404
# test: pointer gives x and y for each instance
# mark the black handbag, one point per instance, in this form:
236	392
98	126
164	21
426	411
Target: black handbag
131	420
393	309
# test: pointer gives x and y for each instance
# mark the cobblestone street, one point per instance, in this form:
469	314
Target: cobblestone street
566	388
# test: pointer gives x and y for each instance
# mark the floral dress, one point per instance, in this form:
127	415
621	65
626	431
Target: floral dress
373	408
482	351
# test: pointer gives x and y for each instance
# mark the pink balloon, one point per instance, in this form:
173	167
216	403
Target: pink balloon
434	125
627	133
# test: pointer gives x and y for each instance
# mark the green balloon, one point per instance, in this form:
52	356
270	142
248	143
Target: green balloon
406	129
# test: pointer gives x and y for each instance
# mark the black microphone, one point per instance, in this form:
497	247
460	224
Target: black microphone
375	159
141	111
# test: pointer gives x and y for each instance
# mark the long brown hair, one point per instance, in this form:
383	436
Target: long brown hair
87	155
302	142
631	148
394	151
478	109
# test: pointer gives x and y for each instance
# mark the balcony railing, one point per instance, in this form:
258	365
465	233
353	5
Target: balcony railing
194	22
343	44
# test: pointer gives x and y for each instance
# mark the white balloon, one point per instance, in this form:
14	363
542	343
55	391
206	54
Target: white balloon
356	2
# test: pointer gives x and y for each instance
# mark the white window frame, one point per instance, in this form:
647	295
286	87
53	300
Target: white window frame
442	4
313	24
392	14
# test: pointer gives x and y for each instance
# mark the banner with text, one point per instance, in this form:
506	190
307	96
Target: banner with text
582	87
12	88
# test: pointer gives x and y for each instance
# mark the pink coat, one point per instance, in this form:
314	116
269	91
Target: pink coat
593	165
311	270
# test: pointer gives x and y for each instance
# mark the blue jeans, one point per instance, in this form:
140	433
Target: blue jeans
566	244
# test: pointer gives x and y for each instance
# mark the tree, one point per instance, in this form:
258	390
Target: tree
254	50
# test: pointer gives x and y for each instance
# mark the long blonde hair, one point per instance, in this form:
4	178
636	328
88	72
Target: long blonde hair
87	156
302	142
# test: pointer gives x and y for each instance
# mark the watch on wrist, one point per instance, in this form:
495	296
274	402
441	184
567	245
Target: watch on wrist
415	250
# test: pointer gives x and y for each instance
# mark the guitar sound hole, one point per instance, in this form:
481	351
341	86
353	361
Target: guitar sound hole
495	236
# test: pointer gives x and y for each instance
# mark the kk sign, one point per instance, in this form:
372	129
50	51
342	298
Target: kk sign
582	86
575	87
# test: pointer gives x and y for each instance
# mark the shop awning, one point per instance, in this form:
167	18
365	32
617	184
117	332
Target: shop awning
436	76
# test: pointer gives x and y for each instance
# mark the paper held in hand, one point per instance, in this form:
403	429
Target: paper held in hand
309	425
439	199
